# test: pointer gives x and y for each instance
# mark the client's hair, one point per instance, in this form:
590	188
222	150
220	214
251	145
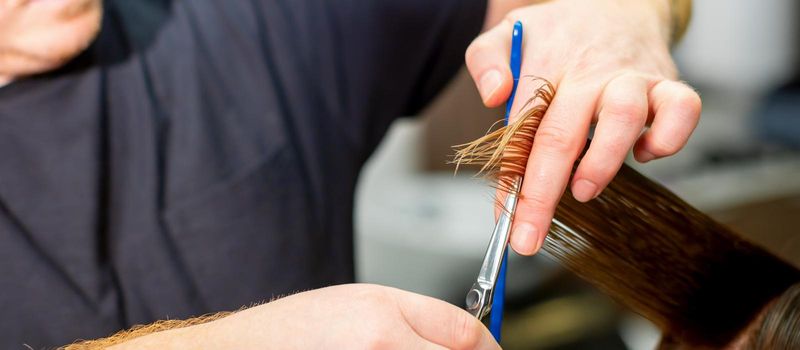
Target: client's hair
779	327
648	249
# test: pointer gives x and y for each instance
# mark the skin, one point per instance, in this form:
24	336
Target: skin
610	62
354	316
41	35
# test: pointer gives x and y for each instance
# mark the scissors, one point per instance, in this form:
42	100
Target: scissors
492	273
479	297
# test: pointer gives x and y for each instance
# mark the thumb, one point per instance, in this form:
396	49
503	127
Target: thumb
487	62
442	323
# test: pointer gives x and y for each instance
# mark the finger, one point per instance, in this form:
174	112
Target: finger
525	98
560	137
676	108
622	113
444	324
487	61
410	339
424	344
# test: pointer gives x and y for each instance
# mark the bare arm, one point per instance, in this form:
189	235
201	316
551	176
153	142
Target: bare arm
339	317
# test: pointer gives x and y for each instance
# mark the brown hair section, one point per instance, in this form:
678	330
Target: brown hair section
643	246
651	251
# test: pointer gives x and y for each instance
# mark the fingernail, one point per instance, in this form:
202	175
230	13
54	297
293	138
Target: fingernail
645	156
584	190
539	242
490	82
524	239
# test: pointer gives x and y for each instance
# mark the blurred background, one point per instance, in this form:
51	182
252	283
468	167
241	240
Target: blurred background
421	228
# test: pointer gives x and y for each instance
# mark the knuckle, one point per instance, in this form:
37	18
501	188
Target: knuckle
555	139
476	49
535	202
689	103
664	147
473	47
625	111
513	15
611	147
600	171
628	74
669	69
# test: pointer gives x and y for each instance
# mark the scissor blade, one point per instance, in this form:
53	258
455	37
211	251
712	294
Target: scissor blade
490	268
479	297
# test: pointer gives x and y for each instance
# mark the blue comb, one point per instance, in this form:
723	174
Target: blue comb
499	297
488	292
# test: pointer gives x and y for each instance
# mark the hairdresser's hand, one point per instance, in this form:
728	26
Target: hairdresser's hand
610	63
356	316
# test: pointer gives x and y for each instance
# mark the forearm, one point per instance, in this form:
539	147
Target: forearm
168	334
179	338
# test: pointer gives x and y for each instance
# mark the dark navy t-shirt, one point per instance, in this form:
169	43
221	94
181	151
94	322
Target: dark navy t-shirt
202	155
